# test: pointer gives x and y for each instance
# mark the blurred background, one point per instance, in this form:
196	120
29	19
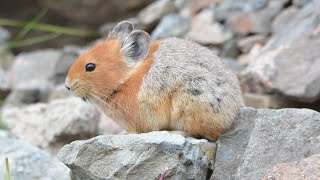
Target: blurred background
273	46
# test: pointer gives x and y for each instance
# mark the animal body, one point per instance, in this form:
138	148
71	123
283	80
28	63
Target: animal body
170	84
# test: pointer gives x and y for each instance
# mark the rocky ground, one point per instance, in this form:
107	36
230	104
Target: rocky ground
272	46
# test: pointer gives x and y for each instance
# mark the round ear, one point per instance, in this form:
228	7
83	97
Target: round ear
122	30
135	47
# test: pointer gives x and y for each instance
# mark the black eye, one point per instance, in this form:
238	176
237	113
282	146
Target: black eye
90	67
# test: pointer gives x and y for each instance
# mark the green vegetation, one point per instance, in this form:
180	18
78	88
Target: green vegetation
7	169
34	24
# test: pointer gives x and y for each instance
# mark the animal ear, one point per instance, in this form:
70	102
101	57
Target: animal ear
135	47
122	30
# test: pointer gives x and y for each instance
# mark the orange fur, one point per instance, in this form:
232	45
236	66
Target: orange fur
117	85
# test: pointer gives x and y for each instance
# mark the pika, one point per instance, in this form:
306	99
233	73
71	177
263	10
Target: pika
170	84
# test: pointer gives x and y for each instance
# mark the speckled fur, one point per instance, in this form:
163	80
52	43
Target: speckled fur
189	89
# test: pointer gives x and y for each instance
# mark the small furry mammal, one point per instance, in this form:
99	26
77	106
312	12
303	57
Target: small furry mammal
170	84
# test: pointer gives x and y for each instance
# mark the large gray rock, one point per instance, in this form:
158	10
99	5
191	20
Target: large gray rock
28	162
227	8
152	14
289	63
205	31
254	22
281	21
172	25
29	77
68	56
139	156
29	92
260	139
38	65
50	126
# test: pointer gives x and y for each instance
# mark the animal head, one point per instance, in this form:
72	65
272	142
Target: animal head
101	70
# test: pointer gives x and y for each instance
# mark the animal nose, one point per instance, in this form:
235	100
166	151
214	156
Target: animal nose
67	87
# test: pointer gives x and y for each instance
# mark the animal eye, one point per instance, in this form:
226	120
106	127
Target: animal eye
90	67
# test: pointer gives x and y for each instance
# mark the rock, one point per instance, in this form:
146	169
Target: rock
205	31
50	126
233	65
172	25
109	127
29	162
260	139
307	168
29	92
244	23
139	156
38	65
227	8
68	56
59	92
282	20
232	146
152	14
246	43
230	49
301	3
113	10
4	35
288	55
33	75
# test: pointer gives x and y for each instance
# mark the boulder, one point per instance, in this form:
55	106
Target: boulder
301	3
227	8
139	156
289	63
308	168
68	56
281	21
205	31
254	22
152	14
50	126
29	76
29	162
29	92
38	65
172	25
261	139
246	44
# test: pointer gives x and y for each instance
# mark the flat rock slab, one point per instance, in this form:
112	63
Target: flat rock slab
139	156
261	139
28	162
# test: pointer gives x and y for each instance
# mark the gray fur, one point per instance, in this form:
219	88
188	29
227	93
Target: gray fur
135	47
121	31
196	77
